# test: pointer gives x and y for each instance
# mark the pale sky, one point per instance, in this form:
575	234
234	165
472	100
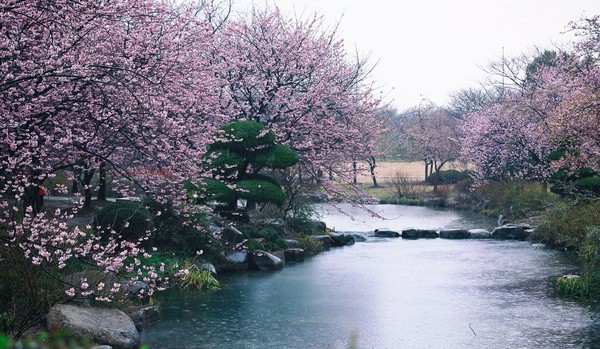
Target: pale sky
431	48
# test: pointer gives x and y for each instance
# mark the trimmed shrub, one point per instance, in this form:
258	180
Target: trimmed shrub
224	161
185	235
588	185
218	191
130	220
260	191
448	177
244	136
277	156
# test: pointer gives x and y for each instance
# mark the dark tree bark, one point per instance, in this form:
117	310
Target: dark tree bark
102	182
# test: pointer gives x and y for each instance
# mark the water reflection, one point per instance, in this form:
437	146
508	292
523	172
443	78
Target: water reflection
391	293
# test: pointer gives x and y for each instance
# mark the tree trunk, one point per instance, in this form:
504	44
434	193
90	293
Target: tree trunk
88	174
354	180
75	181
102	182
372	164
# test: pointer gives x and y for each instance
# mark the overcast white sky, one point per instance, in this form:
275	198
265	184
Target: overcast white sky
430	48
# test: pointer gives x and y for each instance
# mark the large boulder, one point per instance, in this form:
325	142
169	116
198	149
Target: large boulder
232	260
291	243
262	260
511	232
323	239
317	227
419	234
454	234
232	236
385	233
101	325
342	239
479	234
294	255
143	316
359	237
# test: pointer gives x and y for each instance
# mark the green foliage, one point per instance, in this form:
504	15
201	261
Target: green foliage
186	235
587	286
571	286
240	151
273	241
448	177
277	156
224	161
61	339
260	191
196	278
26	292
244	137
513	199
309	245
253	245
589	185
129	219
566	224
213	190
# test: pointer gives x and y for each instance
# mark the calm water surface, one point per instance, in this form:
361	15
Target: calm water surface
388	293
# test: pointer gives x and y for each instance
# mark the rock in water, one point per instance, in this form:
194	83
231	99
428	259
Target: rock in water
454	234
103	326
511	232
479	234
384	233
262	260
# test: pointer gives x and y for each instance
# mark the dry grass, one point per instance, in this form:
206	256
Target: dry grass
385	171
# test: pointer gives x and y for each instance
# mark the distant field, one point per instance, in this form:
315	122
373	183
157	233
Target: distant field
386	170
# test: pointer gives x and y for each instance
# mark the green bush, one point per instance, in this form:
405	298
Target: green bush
62	339
277	156
185	235
447	177
587	286
130	220
26	292
260	191
213	190
243	136
513	199
272	240
224	161
589	185
254	245
566	224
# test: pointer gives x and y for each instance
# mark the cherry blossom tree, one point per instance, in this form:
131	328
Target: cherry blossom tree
124	83
434	135
555	110
295	77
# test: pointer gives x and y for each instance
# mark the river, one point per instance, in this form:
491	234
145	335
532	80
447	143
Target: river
388	293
